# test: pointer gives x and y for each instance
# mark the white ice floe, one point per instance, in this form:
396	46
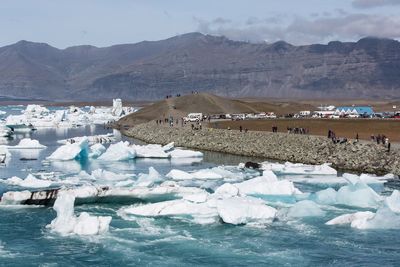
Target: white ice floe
216	173
179	175
387	216
118	152
267	184
149	179
39	116
183	153
5	155
326	196
91	193
305	208
28	143
299	168
71	151
245	210
5	131
67	223
358	195
29	182
384	218
95	139
205	208
349	218
393	201
96	150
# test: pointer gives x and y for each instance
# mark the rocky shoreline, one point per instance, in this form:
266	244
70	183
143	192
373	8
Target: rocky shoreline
358	157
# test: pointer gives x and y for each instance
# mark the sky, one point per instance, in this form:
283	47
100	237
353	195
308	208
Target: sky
64	23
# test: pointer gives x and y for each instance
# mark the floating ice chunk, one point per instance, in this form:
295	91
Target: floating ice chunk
183	208
299	168
30	182
179	175
88	194
206	174
245	210
96	150
118	152
91	225
197	198
326	197
148	152
181	153
149	179
267	184
393	201
358	195
384	218
104	175
349	218
28	143
67	223
227	190
305	208
168	147
5	155
95	139
71	151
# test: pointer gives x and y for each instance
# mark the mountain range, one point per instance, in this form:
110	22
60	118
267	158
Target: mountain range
369	68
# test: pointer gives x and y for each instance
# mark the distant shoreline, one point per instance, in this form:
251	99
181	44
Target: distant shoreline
357	157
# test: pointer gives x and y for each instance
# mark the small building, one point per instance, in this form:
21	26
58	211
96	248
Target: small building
362	111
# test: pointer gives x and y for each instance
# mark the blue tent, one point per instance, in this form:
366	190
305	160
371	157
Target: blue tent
361	110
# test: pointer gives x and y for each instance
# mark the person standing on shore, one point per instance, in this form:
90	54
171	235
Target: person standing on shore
357	137
388	148
240	128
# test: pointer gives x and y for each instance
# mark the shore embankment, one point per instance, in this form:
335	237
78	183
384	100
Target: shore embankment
354	156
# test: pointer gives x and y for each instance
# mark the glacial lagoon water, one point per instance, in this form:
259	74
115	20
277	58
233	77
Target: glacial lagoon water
166	241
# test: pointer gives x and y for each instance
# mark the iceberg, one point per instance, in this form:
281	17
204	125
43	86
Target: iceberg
305	208
95	139
181	153
150	151
96	150
299	168
326	196
90	193
349	218
5	155
384	218
245	210
118	152
149	179
393	201
179	175
29	182
71	151
268	184
358	195
205	209
206	174
28	143
67	223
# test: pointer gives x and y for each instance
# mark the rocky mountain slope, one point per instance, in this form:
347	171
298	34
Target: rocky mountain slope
369	68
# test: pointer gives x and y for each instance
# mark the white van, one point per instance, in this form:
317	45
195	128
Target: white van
193	117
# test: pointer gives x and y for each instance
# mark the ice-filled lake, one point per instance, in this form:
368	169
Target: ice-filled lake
178	208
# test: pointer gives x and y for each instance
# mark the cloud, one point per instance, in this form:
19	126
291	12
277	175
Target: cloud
374	3
304	30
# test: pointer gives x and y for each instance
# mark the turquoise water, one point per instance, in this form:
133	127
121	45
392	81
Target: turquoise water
25	240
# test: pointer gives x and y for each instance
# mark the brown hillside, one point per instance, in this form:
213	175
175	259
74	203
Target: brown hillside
180	106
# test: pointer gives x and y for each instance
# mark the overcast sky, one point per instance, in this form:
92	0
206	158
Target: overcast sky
64	23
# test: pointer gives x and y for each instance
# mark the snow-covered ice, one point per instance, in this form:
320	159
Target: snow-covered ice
67	223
